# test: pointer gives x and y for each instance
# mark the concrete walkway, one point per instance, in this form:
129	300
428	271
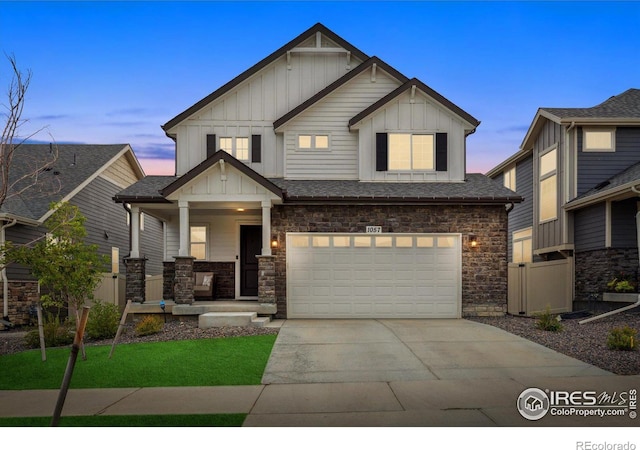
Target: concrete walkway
368	373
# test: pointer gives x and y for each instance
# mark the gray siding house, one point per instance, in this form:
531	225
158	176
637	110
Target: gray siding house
87	176
323	183
578	170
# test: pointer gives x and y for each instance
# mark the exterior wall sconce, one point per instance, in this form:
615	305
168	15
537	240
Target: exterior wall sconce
473	241
274	242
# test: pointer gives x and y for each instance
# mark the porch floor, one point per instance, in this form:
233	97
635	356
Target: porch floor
202	307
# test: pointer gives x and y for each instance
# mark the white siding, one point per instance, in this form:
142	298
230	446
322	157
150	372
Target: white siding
423	115
331	116
253	106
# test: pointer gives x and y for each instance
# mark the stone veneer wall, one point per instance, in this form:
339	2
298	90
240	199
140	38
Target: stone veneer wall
594	269
484	269
22	294
225	277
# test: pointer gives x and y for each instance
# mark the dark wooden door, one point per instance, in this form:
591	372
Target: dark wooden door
250	246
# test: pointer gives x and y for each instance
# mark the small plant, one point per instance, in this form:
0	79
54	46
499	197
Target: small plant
622	338
548	322
103	322
150	324
56	333
620	284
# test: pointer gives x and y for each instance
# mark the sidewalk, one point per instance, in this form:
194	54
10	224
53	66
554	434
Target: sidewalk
459	403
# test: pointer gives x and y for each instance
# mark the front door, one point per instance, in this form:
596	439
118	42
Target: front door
250	246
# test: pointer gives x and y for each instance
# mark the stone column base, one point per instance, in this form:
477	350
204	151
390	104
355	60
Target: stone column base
267	279
135	280
183	287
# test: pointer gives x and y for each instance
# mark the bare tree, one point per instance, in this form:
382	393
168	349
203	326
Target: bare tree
17	180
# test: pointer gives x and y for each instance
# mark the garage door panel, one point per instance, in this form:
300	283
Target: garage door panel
376	276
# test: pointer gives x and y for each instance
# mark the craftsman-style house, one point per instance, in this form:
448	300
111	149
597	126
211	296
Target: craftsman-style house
323	183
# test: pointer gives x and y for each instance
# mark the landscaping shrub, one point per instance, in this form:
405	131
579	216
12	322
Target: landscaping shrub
150	324
56	333
103	322
622	338
548	322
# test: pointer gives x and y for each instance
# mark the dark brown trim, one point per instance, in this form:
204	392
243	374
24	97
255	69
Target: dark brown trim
209	162
338	83
424	88
402	200
260	65
139	199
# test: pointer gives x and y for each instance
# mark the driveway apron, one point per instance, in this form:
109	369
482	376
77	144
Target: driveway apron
333	351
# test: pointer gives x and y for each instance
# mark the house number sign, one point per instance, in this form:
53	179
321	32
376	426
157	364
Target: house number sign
373	229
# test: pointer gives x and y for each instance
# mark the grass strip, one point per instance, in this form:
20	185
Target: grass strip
180	420
229	361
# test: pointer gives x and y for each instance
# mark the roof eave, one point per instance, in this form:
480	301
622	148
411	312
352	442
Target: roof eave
403	200
602	196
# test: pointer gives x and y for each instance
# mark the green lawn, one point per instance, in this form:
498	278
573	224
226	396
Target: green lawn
201	362
173	420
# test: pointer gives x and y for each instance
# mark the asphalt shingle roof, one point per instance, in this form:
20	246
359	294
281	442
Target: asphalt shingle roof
625	105
146	189
629	175
75	163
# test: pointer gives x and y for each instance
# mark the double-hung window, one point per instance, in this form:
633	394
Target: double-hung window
198	241
598	140
411	151
548	186
238	147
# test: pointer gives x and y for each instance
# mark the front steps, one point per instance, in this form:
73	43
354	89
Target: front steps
231	319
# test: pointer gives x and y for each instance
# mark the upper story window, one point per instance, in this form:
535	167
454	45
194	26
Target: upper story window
522	248
510	178
548	186
238	147
599	140
411	151
313	141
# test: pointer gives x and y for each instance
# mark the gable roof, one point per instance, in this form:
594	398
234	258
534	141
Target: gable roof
621	106
209	162
146	190
424	88
624	181
76	165
338	83
260	65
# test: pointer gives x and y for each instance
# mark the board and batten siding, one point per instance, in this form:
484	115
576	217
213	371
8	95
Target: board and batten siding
253	106
596	167
330	116
548	234
402	115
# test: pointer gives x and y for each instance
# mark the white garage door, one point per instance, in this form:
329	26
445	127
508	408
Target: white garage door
373	276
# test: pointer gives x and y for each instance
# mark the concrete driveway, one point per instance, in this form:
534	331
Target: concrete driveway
332	351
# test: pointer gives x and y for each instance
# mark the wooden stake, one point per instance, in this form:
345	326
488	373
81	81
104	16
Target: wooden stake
41	331
122	321
77	340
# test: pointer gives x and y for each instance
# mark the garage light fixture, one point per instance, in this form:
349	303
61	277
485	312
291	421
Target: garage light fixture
274	242
473	241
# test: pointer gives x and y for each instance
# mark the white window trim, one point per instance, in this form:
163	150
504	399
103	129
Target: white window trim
207	240
313	147
541	178
412	170
510	175
611	149
234	146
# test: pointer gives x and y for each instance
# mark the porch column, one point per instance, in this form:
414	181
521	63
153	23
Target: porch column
183	287
135	286
184	228
266	228
135	232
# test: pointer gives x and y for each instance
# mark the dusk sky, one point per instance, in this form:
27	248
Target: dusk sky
113	72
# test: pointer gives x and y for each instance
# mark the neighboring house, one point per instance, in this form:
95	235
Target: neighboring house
578	170
325	183
87	176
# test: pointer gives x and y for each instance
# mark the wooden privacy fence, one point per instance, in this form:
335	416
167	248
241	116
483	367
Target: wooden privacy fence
535	286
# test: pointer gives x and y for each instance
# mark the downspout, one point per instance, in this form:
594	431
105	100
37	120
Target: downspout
5	279
637	303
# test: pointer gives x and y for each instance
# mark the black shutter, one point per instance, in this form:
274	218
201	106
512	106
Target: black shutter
381	152
211	144
441	152
256	148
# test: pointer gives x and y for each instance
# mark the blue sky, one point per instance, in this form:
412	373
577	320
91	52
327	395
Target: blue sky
113	72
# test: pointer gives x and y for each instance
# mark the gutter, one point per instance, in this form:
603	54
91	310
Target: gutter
5	280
